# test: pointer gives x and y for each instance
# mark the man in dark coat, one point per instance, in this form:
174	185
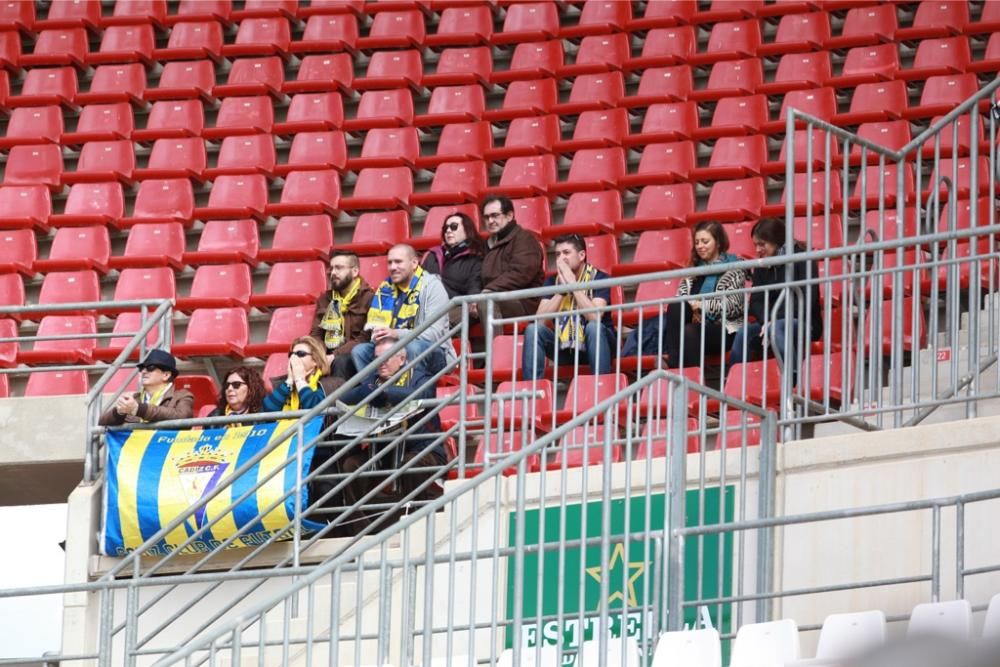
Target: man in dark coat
514	258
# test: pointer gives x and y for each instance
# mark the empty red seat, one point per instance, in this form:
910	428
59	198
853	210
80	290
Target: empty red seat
75	350
893	134
959	172
137	12
141	284
247	154
654	440
253	76
312	112
78	248
33	125
871	24
10	49
459	142
756	382
55	383
526	98
433	221
659	84
732	201
730	40
454	183
527	136
597	129
731	78
243	196
325	33
875	102
323	73
392	69
866	64
528	22
308	192
734	157
594	91
226	242
102	122
242	115
988	20
12	293
815	233
941	94
67	46
807	31
104	161
598	17
584	446
461	66
292	284
667	122
912	327
881	183
453	104
735	116
83	13
185	80
163	200
666	46
810	193
260	37
885	228
527	176
299	237
936	19
534	214
659	250
266	9
35	165
193	40
382	108
810	148
729	10
799	70
152	244
18	251
532	60
172	119
25	207
966	136
661	206
593	169
664	13
69	287
496	446
42	86
587	391
375	233
218	286
316	150
661	163
8	350
17	16
937	57
374	269
535	408
125	44
462	25
386	187
284	326
215	332
818	102
395	30
589	213
91	204
388	147
823	380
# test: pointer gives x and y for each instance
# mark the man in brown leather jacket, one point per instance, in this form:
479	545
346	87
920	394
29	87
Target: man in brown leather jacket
514	257
340	321
158	401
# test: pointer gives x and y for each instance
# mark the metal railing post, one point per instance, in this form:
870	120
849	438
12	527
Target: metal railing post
676	492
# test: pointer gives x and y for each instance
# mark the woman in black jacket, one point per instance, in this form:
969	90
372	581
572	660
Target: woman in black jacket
459	258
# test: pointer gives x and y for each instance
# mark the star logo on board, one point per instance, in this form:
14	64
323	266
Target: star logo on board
635	569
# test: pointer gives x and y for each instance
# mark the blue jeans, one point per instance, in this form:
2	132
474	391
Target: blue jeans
754	343
540	342
364	354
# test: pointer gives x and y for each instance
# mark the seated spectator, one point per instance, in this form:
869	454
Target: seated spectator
342	312
308	381
242	394
404	301
158	401
458	260
514	258
751	341
574	333
721	315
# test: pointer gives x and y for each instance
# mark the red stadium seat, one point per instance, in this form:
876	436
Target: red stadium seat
654	443
464	25
534	214
275	368
18	251
893	134
17	16
388	147
375	233
91	204
818	102
323	73
729	10
116	83
459	142
307	193
666	46
260	37
392	69
667	122
192	40
658	84
163	200
740	241
242	115
316	150
78	248
451	415
878	180
526	98
886	228
797	71
734	157
584	446
528	136
382	108
875	102
298	238
292	284
966	137
42	86
25	207
959	172
215	332
868	64
102	122
312	112
730	40
185	80
497	446
826	378
10	49
226	242
756	382
206	391
731	78
589	213
125	44
988	20
380	188
537	410
374	269
247	154
140	284
76	350
808	31
815	233
434	221
82	14
218	286
659	250
68	287
8	350
326	33
532	60
243	196
454	183
593	169
395	30
598	17
914	335
586	391
104	161
55	383
936	19
802	140
33	125
266	8
602	251
660	207
12	293
253	76
528	22
937	57
941	94
506	361
456	67
597	129
810	195
872	24
527	176
453	104
664	13
733	201
133	12
736	116
35	165
593	91
284	326
67	46
172	119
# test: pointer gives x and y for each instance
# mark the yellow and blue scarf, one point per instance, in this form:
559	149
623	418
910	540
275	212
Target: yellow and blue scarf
292	403
333	319
155	398
395	308
568	327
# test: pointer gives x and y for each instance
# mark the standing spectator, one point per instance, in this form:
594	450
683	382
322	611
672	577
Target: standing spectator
158	401
308	381
342	312
751	341
592	332
404	301
513	258
719	310
242	394
458	260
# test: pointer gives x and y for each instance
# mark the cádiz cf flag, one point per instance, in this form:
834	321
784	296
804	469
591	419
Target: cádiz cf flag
153	477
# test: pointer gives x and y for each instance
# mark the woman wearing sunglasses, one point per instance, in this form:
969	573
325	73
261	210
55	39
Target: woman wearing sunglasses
242	394
158	401
459	258
308	380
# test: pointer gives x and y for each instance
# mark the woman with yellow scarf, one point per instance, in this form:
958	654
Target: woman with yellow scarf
303	387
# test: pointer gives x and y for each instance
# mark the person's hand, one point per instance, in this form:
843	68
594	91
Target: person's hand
473	310
290	376
380	333
126	405
695	305
297	369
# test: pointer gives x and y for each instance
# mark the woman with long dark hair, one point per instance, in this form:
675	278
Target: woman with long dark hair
242	393
458	259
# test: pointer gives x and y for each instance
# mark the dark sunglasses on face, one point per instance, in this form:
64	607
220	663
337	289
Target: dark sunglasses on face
452	226
300	353
153	367
236	384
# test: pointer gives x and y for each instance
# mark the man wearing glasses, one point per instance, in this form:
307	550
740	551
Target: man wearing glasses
513	258
342	312
573	332
158	401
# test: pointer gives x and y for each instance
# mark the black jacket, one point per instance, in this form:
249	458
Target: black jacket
775	275
462	273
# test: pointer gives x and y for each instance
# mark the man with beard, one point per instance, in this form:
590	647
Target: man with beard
342	313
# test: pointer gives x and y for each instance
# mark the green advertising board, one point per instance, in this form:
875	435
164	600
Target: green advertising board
635	581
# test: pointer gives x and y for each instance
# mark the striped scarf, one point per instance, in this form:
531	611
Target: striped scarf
292	404
568	327
395	308
333	319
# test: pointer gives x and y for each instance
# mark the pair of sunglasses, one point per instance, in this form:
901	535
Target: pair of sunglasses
235	384
453	226
300	353
154	367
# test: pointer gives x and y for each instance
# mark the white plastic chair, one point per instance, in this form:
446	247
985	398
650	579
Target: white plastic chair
991	624
948	619
694	648
847	635
620	653
766	644
548	657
